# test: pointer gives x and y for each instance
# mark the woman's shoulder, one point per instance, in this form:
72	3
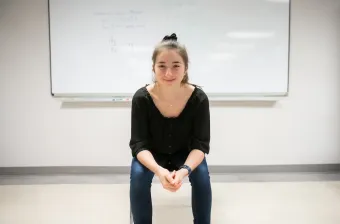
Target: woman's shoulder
200	95
140	94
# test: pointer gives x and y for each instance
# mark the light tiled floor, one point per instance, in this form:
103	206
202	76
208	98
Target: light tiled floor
233	203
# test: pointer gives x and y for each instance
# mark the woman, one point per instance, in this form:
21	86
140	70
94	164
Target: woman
170	135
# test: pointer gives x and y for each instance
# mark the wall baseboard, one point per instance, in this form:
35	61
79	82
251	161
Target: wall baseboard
214	169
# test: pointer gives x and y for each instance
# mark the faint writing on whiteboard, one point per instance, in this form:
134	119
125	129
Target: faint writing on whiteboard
121	19
113	44
127	47
113	25
180	3
130	48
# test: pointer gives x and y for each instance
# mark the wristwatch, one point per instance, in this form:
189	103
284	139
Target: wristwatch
187	168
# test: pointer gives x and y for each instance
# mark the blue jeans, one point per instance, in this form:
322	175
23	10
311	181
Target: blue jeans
140	192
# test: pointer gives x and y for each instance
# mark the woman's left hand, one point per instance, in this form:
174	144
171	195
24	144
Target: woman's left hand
179	176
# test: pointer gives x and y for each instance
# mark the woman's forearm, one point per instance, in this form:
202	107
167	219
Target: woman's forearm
194	159
146	158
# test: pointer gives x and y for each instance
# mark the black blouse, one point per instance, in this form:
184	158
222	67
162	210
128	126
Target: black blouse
150	130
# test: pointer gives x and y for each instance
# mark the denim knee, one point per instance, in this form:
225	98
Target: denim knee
200	174
140	176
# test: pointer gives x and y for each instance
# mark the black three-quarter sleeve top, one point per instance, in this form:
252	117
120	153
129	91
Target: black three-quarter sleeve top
150	130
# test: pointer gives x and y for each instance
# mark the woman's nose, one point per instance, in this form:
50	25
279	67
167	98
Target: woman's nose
168	72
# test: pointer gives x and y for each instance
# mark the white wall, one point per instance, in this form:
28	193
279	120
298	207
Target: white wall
37	130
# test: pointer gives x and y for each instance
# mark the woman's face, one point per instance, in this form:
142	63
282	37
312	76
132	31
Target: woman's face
169	68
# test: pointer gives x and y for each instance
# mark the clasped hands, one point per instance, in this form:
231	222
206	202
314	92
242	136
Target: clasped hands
171	181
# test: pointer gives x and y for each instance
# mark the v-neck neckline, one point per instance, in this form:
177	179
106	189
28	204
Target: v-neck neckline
184	108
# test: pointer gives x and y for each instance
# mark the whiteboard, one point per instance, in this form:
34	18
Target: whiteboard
104	47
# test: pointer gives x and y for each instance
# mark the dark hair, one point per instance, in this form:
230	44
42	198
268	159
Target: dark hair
170	42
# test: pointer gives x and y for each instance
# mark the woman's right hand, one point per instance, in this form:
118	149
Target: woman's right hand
167	179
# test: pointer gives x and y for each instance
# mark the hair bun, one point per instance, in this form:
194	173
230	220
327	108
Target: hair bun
172	37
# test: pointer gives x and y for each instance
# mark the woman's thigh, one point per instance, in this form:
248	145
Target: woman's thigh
200	174
140	174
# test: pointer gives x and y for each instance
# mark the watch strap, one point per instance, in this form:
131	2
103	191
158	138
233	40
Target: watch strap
187	168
